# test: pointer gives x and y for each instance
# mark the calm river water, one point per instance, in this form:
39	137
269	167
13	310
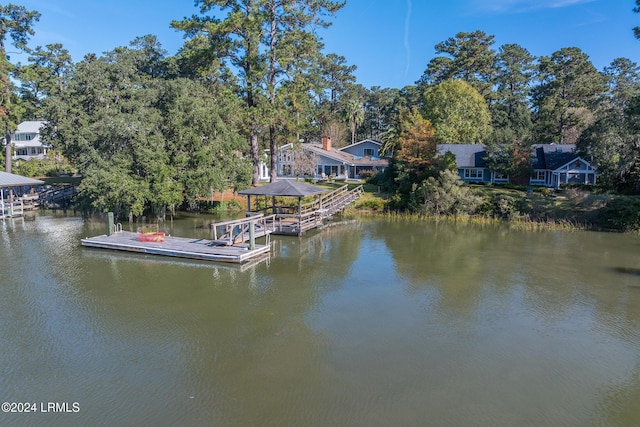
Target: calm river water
366	323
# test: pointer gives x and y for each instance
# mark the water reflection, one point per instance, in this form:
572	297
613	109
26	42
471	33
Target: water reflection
372	322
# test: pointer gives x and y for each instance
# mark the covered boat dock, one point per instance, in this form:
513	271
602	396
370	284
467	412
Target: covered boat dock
12	205
297	218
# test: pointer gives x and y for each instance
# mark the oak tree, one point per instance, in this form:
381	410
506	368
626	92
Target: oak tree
16	23
458	113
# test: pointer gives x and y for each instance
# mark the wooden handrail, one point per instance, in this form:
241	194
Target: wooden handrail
236	229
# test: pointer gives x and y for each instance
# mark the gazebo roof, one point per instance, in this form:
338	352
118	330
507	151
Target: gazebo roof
13	180
284	188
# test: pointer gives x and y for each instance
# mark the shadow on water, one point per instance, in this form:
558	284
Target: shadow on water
628	270
111	255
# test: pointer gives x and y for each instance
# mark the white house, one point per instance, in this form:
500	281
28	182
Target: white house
26	141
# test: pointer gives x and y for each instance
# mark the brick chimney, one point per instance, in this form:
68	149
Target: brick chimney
326	143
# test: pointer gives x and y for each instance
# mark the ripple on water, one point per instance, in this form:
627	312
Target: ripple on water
384	338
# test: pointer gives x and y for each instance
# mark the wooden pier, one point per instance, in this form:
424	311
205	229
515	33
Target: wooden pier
314	214
10	209
231	248
297	220
12	205
242	230
17	207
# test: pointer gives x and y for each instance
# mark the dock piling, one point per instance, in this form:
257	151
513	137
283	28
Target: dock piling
252	235
110	219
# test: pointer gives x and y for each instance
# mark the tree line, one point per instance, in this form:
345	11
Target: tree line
149	131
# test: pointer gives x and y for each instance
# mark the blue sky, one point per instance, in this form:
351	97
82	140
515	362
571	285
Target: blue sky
390	41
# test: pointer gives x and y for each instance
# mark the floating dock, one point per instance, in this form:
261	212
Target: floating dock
229	246
181	247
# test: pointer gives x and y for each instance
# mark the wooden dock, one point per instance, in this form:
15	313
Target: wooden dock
16	208
297	220
181	247
10	209
242	230
313	215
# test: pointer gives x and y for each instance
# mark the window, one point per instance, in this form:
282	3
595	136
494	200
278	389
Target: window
473	174
500	177
538	175
369	152
285	156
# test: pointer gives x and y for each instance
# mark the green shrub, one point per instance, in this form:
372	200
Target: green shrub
46	167
447	195
546	191
504	205
366	174
371	188
370	204
228	205
518	187
385	180
621	213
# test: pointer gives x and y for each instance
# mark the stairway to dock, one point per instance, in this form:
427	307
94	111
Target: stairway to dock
313	214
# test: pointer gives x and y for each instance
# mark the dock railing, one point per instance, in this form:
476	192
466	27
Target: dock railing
297	224
312	214
30	201
240	230
334	201
10	209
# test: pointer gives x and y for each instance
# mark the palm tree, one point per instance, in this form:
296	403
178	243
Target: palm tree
354	113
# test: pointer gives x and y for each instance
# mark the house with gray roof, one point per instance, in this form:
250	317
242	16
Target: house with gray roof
340	163
554	165
27	143
470	160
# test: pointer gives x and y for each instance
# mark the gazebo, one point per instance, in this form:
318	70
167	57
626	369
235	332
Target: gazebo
10	207
288	220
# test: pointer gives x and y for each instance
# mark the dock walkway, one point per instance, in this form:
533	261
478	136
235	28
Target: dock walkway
312	215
